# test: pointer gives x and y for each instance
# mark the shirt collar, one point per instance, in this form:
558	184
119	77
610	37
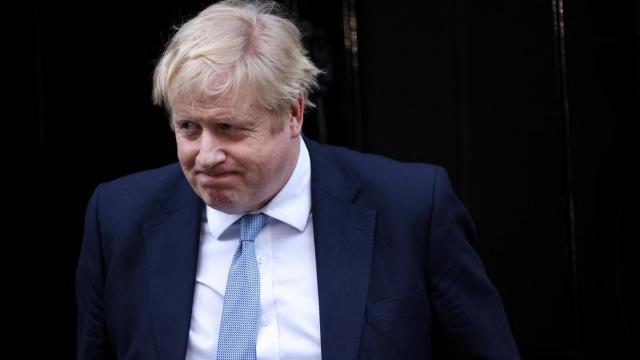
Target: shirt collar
292	205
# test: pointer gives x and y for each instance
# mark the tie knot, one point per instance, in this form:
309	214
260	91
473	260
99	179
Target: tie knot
250	226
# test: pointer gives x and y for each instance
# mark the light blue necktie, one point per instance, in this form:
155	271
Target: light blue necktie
241	308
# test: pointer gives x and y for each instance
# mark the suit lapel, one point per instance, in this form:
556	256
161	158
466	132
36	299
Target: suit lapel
343	233
171	245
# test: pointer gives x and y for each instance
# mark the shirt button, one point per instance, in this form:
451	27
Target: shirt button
260	259
264	321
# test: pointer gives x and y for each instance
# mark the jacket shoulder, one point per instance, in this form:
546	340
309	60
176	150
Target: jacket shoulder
382	171
147	180
138	195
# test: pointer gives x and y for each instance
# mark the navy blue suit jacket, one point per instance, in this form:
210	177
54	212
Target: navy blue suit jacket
397	278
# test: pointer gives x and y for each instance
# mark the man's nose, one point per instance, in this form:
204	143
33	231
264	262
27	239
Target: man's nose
211	151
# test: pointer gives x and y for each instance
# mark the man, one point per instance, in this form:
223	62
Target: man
264	244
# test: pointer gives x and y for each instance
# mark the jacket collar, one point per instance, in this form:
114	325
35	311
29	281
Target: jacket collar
344	233
171	253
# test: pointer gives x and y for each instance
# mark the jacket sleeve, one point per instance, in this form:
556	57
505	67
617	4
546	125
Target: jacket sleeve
92	339
469	319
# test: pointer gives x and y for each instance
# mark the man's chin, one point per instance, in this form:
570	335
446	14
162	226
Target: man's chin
222	201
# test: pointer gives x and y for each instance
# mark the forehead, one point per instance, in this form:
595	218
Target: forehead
218	109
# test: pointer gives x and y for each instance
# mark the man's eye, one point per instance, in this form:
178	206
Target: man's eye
187	125
226	127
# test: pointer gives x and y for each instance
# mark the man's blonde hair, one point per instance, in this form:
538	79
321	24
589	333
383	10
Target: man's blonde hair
239	50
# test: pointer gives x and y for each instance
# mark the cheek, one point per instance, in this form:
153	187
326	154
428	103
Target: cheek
270	163
186	152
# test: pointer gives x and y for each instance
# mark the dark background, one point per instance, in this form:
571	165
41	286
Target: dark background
528	104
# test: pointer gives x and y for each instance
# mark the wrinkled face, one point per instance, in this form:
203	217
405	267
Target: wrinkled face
236	158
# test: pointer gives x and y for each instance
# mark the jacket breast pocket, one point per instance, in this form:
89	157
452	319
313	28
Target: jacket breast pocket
398	307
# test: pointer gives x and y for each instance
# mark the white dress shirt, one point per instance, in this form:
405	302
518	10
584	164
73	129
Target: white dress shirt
290	322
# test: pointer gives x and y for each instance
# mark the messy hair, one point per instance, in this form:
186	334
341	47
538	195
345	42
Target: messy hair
238	50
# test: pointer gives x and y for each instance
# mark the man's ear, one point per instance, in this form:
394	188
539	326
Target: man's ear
296	117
